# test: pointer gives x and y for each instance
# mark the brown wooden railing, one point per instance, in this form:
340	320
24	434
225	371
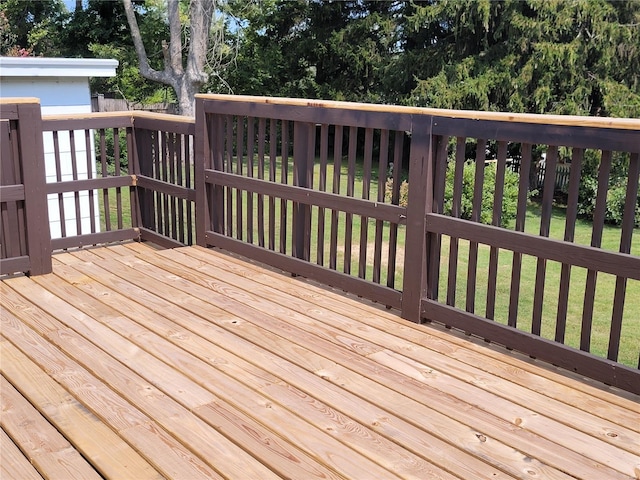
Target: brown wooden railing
357	197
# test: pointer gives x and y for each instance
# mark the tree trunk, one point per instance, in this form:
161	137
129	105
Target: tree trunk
185	80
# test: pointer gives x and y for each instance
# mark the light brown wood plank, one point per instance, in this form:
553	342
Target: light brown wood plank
289	460
312	440
505	455
110	455
44	446
462	387
13	464
177	420
600	122
613	457
423	442
160	449
306	381
509	366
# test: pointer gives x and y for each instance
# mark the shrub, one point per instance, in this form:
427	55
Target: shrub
617	187
110	150
509	199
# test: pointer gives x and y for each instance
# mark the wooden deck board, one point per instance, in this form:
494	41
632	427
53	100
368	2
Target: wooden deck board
197	364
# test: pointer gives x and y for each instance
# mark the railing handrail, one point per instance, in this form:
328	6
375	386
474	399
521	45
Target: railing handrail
532	118
133	114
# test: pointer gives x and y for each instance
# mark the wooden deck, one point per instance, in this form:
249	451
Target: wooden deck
129	362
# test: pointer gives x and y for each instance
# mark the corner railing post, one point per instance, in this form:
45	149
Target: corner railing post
420	201
208	155
144	163
34	179
303	163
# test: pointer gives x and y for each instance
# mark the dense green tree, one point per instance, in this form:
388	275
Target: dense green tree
271	56
32	27
541	56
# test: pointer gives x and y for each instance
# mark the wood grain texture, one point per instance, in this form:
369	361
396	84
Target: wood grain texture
13	464
201	364
601	122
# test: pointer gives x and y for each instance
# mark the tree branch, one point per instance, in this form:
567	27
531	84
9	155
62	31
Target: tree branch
175	37
201	14
145	68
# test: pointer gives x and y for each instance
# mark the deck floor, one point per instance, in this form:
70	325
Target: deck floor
130	362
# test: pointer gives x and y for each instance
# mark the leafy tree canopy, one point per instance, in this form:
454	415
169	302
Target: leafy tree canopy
542	56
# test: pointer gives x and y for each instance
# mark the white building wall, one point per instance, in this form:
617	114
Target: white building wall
61	88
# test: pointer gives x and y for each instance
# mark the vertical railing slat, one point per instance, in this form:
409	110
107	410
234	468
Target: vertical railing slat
456	207
521	215
322	186
180	203
545	224
228	198
628	223
58	166
337	167
496	220
366	192
284	178
262	125
383	162
398	151
435	240
351	174
90	167
273	152
250	147
240	145
571	215
117	173
476	214
74	176
596	240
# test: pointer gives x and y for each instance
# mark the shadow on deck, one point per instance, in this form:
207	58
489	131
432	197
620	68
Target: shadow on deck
127	362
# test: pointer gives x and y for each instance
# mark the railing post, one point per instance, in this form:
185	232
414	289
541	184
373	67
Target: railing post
33	177
303	162
143	158
202	150
209	154
420	201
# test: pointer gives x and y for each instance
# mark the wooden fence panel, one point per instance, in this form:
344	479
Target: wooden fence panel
301	179
24	208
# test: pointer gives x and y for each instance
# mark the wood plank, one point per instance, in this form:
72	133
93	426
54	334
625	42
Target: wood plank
421	440
109	454
316	442
531	405
522	371
613	456
308	381
600	122
13	464
43	445
162	450
314	343
177	420
289	461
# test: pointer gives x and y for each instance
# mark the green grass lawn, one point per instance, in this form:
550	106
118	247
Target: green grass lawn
125	201
603	304
629	349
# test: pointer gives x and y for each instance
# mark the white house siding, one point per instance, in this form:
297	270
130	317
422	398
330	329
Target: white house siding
65	91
